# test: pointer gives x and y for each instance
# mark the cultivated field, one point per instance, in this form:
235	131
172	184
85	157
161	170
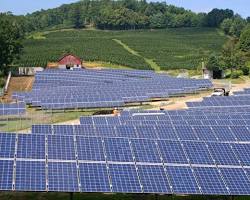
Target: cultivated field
148	49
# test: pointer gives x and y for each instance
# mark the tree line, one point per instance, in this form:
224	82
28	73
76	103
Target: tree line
236	51
122	15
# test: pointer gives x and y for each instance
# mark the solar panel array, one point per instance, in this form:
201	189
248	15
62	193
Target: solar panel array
61	89
123	165
13	109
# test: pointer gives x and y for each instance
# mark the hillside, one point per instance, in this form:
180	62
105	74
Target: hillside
142	49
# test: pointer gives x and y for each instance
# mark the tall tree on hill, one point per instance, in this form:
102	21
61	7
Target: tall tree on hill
244	42
216	17
10	41
76	17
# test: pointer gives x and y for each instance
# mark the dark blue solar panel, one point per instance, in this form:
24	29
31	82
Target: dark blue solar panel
63	130
30	176
105	131
223	133
185	133
210	181
61	147
172	151
86	120
31	146
236	180
198	153
205	133
182	180
146	132
62	177
94	177
223	154
126	131
124	178
6	174
145	151
7	145
153	179
85	130
118	149
242	151
166	132
241	133
42	129
90	148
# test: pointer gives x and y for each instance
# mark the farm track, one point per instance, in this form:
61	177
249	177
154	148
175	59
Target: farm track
150	62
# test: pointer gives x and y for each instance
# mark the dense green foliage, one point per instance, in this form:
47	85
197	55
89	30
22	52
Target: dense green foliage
234	26
10	41
122	14
170	49
244	42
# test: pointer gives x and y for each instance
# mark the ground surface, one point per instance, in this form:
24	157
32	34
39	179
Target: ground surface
95	196
142	49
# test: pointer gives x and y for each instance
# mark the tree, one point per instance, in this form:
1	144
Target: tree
226	25
248	19
216	17
157	21
232	58
213	63
244	42
10	40
237	26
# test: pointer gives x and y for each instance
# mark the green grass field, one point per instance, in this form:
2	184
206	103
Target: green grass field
145	49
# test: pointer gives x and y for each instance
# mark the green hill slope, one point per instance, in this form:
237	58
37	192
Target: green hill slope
182	48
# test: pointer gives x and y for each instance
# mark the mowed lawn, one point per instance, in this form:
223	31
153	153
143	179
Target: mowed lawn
166	49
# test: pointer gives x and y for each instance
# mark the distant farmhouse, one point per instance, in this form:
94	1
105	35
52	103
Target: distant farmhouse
68	61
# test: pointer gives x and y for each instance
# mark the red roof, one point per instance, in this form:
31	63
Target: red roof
69	59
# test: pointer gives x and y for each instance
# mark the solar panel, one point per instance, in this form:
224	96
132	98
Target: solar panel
61	147
84	130
172	151
153	179
236	180
94	177
182	180
145	151
185	133
146	132
30	176
205	133
223	154
223	133
6	174
7	145
90	149
241	133
242	151
198	153
105	131
42	129
124	178
63	130
31	146
210	181
118	149
126	131
62	176
166	132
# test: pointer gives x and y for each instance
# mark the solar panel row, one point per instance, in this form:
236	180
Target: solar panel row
83	164
103	88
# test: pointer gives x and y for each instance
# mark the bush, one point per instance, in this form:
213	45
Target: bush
245	71
2	82
235	75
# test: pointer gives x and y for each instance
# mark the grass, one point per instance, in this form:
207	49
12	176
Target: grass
140	49
33	116
150	62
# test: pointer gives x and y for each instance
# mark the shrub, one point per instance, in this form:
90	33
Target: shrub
235	74
245	71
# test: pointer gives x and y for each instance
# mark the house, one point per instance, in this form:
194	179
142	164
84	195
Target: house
69	61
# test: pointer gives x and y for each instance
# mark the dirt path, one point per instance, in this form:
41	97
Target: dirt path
150	62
